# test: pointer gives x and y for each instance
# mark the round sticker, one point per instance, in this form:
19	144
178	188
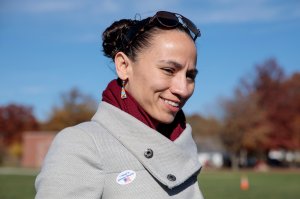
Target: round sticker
126	177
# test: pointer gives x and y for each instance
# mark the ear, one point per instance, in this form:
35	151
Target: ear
122	63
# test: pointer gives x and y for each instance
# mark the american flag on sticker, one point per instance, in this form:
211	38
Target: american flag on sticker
125	177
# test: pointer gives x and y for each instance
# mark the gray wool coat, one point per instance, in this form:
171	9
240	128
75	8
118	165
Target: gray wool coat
115	156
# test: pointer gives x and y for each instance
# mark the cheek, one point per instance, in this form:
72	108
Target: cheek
155	81
191	89
159	84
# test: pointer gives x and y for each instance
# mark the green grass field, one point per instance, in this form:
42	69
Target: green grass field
16	186
274	184
214	185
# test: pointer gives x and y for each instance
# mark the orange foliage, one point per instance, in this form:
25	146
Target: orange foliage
14	120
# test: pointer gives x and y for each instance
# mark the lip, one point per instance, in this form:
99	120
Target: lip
171	107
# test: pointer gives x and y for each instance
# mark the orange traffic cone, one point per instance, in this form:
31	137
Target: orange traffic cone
244	183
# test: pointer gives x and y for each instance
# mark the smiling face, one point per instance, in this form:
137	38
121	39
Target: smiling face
161	79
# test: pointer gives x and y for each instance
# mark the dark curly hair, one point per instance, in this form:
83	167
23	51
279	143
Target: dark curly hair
130	36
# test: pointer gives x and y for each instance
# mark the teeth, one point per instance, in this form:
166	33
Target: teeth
171	103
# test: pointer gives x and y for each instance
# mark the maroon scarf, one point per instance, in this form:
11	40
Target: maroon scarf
112	95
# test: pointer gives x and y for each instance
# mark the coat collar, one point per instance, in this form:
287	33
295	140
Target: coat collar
178	158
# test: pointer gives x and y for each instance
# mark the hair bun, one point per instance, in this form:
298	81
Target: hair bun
114	37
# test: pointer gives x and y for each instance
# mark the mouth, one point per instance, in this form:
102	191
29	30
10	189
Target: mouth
171	103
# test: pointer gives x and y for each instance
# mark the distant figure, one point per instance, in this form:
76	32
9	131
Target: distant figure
137	145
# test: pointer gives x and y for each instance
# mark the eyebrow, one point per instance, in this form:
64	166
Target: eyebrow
178	65
173	63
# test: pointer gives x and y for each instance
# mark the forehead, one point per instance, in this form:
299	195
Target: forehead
167	33
174	43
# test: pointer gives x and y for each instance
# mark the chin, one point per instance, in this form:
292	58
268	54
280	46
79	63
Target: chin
166	120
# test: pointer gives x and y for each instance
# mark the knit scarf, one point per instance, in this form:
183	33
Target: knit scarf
112	95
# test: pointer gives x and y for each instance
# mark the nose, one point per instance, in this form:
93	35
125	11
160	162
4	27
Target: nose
181	87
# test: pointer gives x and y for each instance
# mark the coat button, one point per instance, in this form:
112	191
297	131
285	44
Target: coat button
148	153
171	177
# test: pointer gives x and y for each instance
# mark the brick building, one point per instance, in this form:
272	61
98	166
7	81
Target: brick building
35	147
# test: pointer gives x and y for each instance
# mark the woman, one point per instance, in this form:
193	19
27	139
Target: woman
138	144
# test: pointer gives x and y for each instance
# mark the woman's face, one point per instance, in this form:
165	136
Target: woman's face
162	78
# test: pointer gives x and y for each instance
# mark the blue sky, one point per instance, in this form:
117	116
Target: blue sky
50	46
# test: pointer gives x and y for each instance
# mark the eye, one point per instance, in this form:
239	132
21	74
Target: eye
169	71
191	75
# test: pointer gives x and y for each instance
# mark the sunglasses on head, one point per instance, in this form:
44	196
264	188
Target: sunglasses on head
171	19
165	19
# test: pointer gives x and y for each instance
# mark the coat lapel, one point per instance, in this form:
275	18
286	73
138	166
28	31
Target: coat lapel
171	163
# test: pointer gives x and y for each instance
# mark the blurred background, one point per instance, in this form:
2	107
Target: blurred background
245	111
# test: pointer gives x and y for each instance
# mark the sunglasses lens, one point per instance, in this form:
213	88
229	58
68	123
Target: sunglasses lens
167	19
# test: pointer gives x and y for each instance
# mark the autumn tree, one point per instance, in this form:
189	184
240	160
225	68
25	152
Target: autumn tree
279	97
206	132
204	126
14	120
284	113
264	112
244	127
75	108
